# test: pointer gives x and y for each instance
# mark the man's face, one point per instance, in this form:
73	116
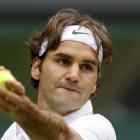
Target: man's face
67	77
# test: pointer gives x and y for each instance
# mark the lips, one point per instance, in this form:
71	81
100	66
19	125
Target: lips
71	89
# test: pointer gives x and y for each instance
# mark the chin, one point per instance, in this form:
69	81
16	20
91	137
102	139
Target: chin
65	110
64	105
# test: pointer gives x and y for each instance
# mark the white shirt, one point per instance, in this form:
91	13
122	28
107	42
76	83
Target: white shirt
88	125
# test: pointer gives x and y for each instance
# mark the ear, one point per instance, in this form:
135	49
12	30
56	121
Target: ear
35	70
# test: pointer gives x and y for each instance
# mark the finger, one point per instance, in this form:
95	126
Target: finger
16	86
2	94
5	103
8	96
10	103
4	106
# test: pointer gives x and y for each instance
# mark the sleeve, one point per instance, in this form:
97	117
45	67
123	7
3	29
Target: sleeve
94	127
15	132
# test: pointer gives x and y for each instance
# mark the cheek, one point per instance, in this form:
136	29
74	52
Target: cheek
51	73
91	79
90	82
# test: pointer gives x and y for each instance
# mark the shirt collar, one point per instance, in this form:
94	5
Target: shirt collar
84	110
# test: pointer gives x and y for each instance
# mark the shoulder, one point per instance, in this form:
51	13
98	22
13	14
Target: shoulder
15	132
94	125
10	133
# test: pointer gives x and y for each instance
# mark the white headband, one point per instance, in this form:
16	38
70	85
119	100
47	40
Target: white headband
80	34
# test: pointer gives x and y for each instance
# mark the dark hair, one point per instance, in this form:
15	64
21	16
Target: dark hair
54	28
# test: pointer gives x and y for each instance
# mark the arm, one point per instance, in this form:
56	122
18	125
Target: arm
38	124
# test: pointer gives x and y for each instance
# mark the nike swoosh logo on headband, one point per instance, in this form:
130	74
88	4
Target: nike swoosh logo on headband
75	32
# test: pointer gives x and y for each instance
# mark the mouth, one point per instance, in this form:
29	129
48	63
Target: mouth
71	89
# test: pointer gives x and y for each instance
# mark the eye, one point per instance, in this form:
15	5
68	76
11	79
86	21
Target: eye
63	61
86	67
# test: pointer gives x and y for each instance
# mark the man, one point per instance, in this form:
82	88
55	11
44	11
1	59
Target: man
67	57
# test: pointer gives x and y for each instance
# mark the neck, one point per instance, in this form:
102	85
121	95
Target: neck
42	104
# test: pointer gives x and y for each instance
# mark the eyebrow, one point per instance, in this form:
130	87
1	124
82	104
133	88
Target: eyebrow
89	61
63	55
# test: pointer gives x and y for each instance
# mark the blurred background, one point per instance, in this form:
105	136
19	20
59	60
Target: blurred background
119	96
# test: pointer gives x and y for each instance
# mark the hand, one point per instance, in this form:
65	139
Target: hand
13	101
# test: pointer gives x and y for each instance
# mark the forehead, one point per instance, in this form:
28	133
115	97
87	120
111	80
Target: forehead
76	49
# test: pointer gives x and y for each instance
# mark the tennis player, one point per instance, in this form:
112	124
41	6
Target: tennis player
67	58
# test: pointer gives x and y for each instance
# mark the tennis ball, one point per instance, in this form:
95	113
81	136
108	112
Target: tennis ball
5	74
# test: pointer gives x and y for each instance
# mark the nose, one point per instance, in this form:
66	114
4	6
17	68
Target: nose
73	73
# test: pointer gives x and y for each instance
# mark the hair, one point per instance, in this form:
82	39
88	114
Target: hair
54	28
